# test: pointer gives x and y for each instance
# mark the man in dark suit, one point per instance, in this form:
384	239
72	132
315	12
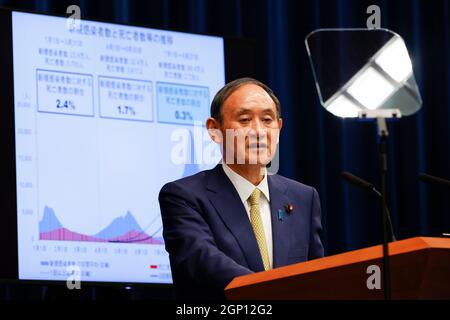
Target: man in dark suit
236	219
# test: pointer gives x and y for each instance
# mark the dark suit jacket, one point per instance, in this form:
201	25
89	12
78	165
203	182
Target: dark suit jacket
209	237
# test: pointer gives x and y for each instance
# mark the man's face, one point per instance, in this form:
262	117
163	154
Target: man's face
250	128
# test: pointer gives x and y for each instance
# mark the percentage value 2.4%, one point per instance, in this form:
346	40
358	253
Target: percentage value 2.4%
65	104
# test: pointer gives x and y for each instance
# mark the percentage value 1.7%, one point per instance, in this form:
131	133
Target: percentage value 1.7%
126	110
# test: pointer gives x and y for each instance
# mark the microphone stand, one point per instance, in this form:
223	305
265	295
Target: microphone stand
382	150
434	180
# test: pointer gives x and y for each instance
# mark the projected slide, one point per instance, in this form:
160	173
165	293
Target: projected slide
100	111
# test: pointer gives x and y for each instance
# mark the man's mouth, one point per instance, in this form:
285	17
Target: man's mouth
257	146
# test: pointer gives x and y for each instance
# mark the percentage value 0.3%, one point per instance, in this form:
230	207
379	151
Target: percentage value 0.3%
183	115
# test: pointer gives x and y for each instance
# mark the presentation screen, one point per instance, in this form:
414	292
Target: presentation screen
105	115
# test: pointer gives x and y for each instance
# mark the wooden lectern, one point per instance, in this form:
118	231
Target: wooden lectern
420	269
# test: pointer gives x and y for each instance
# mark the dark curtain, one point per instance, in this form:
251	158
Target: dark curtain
316	146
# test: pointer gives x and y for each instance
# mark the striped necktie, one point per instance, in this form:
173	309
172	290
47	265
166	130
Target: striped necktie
258	229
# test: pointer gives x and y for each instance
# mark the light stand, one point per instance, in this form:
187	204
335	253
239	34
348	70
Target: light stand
377	84
381	116
382	151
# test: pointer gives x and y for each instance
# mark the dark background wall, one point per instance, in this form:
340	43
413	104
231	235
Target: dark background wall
315	146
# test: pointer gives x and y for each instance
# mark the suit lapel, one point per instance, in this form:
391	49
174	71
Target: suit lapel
229	206
280	228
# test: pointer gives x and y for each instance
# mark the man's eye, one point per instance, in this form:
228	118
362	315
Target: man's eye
244	120
268	120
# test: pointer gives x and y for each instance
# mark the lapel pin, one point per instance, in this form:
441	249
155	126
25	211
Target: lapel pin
289	208
281	214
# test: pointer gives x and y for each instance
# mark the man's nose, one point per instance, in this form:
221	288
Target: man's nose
257	129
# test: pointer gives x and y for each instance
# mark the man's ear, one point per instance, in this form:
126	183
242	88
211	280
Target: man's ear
213	127
280	124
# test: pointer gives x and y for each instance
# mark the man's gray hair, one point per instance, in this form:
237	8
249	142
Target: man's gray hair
230	87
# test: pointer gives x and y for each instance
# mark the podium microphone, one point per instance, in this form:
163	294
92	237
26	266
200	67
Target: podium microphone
387	224
357	181
434	180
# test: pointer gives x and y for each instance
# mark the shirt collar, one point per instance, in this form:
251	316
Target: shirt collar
245	187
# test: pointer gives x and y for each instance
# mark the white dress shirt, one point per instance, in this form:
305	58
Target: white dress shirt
244	188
